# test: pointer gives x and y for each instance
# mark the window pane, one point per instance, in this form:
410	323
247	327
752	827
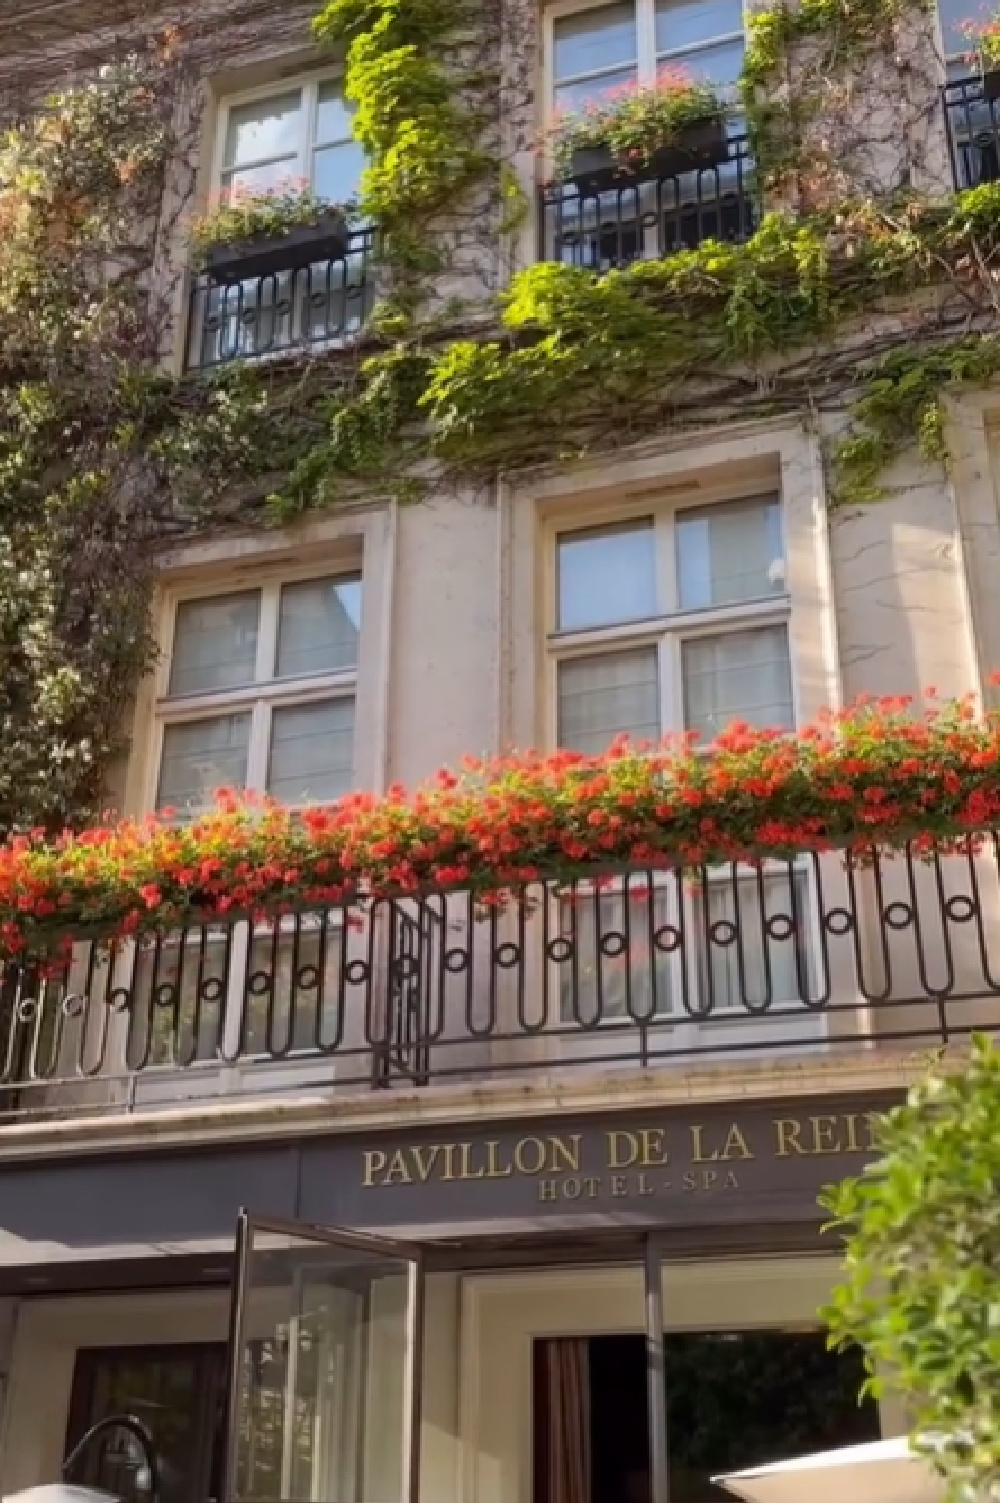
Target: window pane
953	14
337	172
608	696
294	996
271	177
741	675
264	129
312	752
333	115
570	98
200	756
605	576
594	40
613	967
682	23
215	643
752	944
718	65
729	553
318	626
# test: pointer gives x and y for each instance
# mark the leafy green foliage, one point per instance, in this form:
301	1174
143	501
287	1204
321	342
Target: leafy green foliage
921	1284
420	117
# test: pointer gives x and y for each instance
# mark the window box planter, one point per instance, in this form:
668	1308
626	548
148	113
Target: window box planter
991	84
595	168
264	255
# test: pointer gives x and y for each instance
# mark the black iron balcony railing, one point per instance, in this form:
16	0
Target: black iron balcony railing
642	969
973	121
282	311
642	220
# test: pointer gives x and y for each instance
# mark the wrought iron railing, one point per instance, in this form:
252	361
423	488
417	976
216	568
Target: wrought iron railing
648	218
641	968
282	311
973	121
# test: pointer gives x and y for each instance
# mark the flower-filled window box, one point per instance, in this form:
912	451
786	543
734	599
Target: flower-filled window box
984	52
635	133
249	235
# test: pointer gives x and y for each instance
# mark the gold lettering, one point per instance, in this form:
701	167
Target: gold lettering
643	1187
736	1146
592	1185
449	1161
568	1150
465	1149
731	1182
652	1150
874	1121
424	1160
851	1123
698	1154
709	1179
397	1173
572	1188
375	1162
689	1181
824	1135
546	1189
623	1149
494	1170
522	1164
619	1184
788	1130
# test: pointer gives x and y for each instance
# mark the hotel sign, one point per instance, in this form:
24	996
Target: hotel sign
679	1166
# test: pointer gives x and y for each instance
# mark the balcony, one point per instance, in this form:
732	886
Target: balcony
283	311
644	220
627	969
973	119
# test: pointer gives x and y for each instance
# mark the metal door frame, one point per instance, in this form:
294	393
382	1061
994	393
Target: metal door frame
400	1251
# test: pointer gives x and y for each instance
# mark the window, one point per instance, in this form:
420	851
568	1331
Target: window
607	47
260	694
299	135
670	622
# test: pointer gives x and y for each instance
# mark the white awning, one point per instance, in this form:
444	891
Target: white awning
886	1471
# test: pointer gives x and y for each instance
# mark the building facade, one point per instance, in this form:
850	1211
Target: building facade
510	1206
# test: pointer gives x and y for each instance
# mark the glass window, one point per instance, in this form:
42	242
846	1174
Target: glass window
593	52
739	675
606	575
201	756
726	554
252	658
752	943
703	37
215	643
312	752
263	143
318	626
612	694
614	968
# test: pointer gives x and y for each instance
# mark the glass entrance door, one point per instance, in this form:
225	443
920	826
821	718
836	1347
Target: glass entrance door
325	1341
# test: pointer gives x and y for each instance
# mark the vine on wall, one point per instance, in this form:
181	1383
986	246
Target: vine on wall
101	454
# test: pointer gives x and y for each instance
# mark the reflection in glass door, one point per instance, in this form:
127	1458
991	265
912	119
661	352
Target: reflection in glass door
323	1403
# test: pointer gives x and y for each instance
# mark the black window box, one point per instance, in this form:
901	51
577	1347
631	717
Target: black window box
263	255
991	84
594	169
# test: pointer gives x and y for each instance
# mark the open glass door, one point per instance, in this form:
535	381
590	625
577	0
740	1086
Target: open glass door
324	1381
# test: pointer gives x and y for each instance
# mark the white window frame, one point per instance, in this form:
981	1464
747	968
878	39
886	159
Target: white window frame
265	693
666	632
309	83
672	626
647	61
